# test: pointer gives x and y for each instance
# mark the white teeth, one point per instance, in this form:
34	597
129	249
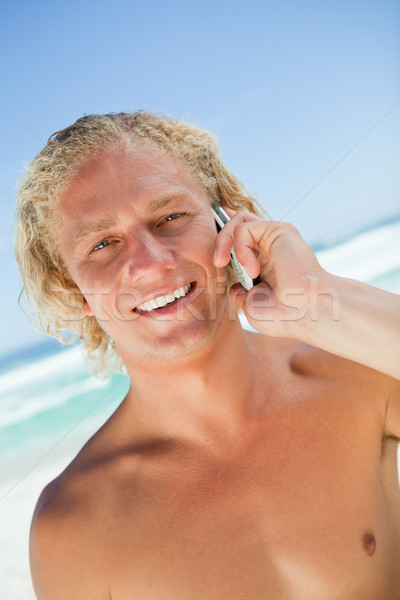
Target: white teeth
161	301
164	300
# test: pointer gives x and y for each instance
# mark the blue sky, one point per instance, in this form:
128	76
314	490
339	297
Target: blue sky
301	95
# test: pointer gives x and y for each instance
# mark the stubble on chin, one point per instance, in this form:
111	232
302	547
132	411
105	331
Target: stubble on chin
192	332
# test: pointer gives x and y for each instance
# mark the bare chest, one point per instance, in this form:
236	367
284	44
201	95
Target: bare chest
298	513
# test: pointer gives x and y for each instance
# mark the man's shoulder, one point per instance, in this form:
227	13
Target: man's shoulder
54	540
77	493
63	509
311	361
303	360
67	549
88	486
61	499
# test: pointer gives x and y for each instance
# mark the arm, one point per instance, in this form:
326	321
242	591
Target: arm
299	299
366	327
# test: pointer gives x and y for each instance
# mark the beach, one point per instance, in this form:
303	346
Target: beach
49	408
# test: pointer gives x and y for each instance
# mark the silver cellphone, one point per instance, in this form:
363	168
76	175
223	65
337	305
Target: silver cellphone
221	218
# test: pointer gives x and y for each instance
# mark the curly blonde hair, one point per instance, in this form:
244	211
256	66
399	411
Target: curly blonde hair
47	283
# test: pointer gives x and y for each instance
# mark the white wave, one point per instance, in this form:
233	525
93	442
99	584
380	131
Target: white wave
29	406
67	361
367	256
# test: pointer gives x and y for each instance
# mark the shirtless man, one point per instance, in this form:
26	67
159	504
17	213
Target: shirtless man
239	465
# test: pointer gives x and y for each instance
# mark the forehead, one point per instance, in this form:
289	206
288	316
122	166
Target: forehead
135	170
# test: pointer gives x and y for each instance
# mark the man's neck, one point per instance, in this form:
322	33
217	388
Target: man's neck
199	396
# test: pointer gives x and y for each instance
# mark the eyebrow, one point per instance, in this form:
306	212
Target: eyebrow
108	223
159	203
94	228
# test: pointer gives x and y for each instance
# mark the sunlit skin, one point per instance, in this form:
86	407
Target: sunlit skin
143	254
239	465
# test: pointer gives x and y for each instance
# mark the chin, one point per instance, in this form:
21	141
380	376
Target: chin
174	343
173	346
184	344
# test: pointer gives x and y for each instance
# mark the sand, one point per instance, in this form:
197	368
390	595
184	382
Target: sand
20	486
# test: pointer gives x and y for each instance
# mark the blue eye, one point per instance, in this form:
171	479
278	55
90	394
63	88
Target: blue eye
173	216
101	245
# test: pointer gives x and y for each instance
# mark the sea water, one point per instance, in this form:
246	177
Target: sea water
50	405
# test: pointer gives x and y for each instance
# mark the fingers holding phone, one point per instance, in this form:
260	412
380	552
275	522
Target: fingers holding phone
228	244
248	277
276	253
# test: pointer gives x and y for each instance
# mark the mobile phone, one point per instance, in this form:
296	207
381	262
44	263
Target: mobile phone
221	218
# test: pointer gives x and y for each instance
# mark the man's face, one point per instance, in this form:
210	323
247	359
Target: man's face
136	228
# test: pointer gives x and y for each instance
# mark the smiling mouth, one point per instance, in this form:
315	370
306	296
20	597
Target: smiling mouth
167	300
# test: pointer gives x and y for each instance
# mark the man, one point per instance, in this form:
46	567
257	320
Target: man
239	465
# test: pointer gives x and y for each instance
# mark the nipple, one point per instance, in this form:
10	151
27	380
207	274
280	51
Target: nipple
369	543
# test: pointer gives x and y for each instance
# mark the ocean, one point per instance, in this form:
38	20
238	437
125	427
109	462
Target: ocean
50	405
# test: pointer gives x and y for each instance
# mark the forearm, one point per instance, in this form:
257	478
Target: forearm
353	320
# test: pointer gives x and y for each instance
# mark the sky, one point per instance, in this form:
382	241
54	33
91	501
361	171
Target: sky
304	98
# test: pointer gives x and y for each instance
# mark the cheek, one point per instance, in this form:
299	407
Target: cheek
202	237
89	275
201	254
202	248
96	290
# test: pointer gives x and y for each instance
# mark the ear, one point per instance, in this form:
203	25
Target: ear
86	308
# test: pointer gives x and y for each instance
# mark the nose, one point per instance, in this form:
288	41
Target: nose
147	256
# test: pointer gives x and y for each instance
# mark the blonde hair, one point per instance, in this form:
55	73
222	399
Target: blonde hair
47	283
